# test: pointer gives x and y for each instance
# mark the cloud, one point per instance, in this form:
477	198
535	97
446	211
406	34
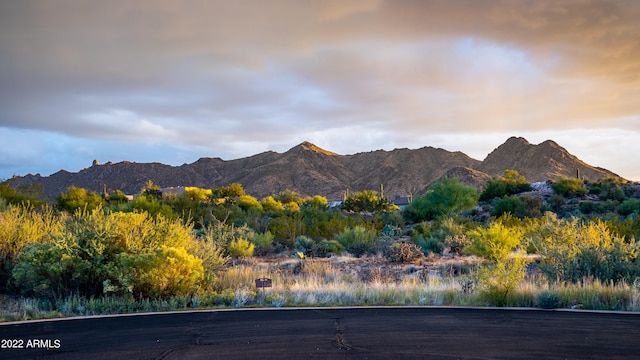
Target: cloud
232	78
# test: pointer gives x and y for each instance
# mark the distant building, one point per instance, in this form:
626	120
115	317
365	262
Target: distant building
173	191
402	201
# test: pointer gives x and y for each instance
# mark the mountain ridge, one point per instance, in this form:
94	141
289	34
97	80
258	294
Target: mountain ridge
311	170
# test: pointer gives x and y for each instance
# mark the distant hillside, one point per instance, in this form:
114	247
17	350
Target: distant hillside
545	161
310	170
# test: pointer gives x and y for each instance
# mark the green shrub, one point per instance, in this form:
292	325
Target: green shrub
32	195
21	225
499	280
97	253
151	205
304	244
496	243
240	248
78	199
569	187
358	240
588	207
518	206
611	189
263	243
430	245
367	201
327	247
46	270
629	206
556	202
494	188
444	198
438	236
547	299
166	272
497	187
573	250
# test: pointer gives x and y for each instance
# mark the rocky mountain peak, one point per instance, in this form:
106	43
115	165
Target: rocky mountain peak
307	146
544	161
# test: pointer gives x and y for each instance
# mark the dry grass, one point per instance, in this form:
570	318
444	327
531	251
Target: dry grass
347	281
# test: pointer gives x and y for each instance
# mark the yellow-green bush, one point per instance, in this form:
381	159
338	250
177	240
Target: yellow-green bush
163	273
21	225
506	270
94	253
240	248
572	250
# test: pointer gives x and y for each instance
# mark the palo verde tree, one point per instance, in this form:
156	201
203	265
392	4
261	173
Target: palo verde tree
31	194
367	201
569	187
78	198
498	244
98	253
445	197
512	183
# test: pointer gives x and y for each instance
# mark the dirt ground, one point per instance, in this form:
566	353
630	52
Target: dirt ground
375	267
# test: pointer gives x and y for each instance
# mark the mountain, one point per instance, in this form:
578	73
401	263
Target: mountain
544	161
310	170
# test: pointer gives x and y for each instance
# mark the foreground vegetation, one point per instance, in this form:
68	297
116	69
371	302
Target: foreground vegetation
324	284
572	247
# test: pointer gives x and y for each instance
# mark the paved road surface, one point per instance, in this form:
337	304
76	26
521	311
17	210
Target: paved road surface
353	333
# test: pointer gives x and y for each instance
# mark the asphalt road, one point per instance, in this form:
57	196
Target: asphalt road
329	333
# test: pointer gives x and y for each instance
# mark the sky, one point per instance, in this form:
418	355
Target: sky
174	81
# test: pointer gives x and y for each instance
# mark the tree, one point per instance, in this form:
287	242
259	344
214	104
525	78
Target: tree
248	202
316	202
231	190
288	196
151	189
367	201
116	197
269	204
198	195
152	206
445	197
496	243
569	187
78	198
512	183
31	194
518	206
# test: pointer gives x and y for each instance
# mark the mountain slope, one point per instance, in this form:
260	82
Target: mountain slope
545	161
310	170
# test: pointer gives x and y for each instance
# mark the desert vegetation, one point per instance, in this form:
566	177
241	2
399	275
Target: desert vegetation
571	244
